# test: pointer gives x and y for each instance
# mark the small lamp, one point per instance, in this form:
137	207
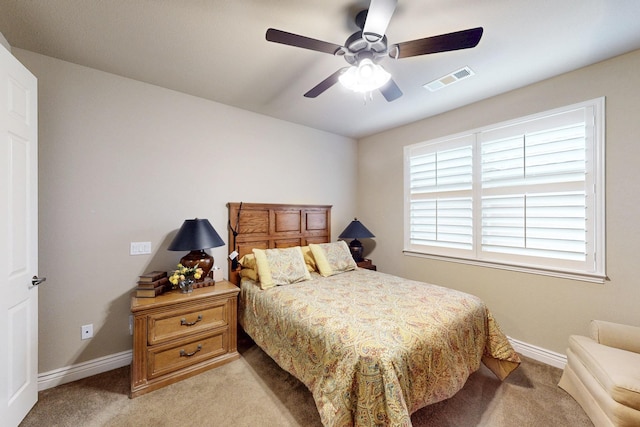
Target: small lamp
196	235
356	231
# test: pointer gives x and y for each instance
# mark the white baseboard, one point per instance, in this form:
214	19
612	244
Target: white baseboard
540	354
103	364
83	370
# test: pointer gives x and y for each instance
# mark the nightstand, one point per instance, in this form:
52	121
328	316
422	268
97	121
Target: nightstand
176	335
366	263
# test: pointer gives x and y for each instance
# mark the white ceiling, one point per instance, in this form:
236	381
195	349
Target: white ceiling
216	49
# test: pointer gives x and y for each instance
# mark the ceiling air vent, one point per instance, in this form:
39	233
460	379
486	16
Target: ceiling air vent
451	78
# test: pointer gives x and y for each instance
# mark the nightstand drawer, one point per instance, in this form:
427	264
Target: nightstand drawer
168	358
167	326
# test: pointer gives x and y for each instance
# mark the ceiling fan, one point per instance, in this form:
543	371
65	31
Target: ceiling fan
365	48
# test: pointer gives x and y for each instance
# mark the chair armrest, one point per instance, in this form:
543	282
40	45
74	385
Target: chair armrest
624	337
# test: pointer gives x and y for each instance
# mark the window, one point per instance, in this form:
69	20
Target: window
526	195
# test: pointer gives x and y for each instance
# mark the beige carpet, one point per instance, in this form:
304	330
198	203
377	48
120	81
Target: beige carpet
254	391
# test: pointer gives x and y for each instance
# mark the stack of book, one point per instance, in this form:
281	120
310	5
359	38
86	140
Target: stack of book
152	284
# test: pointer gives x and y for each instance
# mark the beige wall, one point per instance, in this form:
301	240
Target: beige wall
123	161
538	310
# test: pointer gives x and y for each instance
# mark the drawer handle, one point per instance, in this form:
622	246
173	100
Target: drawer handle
185	354
185	323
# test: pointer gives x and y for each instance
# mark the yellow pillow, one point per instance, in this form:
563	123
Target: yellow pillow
333	258
248	261
280	266
249	274
309	260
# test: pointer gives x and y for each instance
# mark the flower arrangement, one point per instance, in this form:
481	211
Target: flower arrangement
184	273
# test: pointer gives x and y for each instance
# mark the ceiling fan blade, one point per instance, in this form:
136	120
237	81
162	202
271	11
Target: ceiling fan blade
325	84
445	42
378	17
391	91
291	39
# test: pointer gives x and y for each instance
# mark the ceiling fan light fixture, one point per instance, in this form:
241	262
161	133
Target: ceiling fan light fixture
367	76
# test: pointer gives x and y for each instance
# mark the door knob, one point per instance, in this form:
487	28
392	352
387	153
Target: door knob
35	281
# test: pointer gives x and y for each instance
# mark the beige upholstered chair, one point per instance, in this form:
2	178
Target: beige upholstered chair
603	373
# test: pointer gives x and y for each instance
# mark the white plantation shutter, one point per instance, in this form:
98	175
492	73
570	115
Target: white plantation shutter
533	190
544	225
519	194
441	184
442	222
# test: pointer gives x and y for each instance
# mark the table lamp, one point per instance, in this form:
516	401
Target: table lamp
195	236
356	231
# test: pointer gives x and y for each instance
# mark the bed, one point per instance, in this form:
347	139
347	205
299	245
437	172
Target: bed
371	347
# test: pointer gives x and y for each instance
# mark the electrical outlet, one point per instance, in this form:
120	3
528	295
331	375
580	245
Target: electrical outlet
87	331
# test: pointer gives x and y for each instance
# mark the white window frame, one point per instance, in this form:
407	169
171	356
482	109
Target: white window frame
592	269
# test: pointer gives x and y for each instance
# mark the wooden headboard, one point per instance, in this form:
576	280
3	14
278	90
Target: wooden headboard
267	226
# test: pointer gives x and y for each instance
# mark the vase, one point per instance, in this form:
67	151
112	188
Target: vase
186	285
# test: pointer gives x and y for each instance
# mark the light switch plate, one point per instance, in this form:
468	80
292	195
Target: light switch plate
140	248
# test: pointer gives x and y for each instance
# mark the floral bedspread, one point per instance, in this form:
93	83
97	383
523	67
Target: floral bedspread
374	348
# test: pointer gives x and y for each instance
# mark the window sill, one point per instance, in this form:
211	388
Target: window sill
572	275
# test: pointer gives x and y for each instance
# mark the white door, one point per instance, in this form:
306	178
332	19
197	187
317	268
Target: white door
18	239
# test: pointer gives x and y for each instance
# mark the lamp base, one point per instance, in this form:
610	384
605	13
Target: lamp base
199	258
356	250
